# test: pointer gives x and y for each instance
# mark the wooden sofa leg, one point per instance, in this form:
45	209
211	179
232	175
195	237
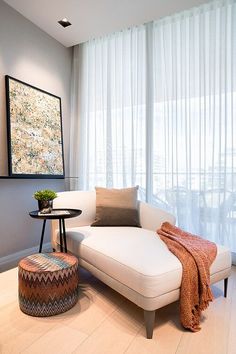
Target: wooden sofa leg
149	319
225	287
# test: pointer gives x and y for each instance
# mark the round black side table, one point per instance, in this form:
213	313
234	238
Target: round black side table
61	215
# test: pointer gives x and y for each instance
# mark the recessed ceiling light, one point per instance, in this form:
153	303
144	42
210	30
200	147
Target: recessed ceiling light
64	22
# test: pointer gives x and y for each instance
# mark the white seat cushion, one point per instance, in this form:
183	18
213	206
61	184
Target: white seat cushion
136	257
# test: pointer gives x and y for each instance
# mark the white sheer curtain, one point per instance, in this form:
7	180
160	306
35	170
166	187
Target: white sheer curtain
110	146
194	117
156	106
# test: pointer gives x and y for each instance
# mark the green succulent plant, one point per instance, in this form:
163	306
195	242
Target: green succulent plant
45	194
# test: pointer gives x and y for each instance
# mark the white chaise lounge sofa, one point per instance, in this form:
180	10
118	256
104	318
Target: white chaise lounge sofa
131	260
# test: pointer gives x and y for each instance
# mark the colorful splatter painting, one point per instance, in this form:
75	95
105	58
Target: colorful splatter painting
35	145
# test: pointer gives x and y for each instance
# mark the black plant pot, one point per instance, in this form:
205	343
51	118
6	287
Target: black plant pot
45	206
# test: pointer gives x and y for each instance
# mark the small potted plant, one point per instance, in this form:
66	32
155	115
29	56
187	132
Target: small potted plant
45	199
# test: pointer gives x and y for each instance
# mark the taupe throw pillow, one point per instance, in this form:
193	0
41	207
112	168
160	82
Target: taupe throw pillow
116	207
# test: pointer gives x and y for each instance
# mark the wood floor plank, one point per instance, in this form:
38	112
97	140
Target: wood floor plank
8	287
115	333
17	330
59	340
105	322
214	333
92	310
166	335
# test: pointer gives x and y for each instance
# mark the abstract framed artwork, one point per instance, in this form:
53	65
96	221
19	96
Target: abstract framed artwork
34	129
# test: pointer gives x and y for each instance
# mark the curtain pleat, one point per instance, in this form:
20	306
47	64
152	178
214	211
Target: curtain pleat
155	106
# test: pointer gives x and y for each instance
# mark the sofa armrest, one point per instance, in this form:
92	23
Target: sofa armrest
152	217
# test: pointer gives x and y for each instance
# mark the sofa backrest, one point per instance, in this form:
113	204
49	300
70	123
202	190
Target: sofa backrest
150	217
84	200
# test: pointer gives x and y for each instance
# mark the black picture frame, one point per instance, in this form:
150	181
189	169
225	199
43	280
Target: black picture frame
34	131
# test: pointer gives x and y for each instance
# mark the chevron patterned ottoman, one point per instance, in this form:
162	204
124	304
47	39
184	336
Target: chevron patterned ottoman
48	283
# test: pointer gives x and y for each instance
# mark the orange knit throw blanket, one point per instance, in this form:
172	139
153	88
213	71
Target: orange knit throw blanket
196	256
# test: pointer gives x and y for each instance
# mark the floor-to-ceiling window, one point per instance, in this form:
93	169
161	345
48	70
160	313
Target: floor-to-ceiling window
155	105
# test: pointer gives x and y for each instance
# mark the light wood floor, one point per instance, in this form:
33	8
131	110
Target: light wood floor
105	322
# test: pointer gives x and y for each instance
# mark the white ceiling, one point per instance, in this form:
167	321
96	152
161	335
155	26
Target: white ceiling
94	18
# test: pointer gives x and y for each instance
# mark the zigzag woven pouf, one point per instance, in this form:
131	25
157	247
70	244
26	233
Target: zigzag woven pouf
48	283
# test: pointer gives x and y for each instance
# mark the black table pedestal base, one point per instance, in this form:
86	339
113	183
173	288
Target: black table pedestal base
42	236
62	233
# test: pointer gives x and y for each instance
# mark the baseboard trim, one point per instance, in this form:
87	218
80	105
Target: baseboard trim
13	259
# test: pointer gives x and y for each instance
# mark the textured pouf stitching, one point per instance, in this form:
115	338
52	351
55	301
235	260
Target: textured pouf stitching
45	292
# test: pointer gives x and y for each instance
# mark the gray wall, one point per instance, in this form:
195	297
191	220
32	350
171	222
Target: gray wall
29	54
